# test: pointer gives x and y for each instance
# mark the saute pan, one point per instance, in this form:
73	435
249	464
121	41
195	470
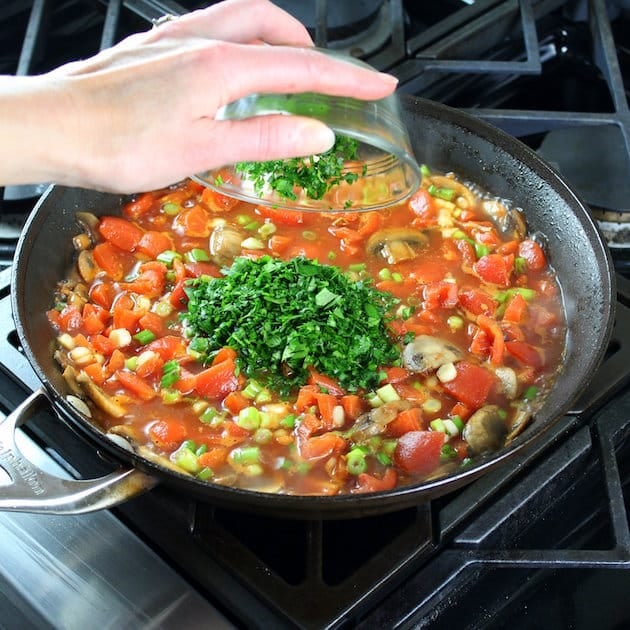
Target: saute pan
447	140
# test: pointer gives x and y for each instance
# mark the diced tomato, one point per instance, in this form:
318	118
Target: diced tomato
481	344
167	434
154	243
194	221
407	420
110	259
141	204
153	322
224	354
95	373
151	365
168	347
472	384
120	232
419	452
495	269
460	409
324	383
370	483
526	353
395	374
426	271
116	361
477	301
306	397
492	329
126	318
102	293
516	309
202	268
102	344
440	295
70	319
218	202
218	380
321	446
423	206
533	254
369	222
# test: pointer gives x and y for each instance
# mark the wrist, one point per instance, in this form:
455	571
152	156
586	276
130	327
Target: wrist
35	121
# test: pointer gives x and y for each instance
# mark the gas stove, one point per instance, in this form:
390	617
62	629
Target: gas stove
545	537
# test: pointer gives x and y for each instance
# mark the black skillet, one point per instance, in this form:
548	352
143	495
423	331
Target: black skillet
445	139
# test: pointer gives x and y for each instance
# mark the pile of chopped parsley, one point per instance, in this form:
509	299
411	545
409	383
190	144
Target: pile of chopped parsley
284	317
315	175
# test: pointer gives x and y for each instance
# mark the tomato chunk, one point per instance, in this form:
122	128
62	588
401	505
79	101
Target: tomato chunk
471	385
419	451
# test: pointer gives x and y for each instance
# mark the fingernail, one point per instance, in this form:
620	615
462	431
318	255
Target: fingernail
315	137
389	78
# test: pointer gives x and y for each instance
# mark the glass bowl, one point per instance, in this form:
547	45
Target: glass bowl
386	170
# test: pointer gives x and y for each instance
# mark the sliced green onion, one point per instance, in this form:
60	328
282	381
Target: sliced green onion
205	473
384	459
170	374
249	418
168	256
144	336
355	461
447	452
197	255
438	425
186	459
425	170
387	393
531	392
481	249
246	455
171	208
447	194
520	265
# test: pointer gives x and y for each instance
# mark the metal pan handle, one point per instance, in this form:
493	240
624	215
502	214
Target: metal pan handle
34	490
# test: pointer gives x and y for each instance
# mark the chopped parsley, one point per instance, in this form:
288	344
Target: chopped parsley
284	317
315	175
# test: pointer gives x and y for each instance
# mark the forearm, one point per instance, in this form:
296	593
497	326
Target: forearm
34	127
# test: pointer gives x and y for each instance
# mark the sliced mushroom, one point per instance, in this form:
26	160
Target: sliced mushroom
396	244
86	265
426	353
508	383
374	422
508	221
89	224
485	431
520	421
103	401
225	244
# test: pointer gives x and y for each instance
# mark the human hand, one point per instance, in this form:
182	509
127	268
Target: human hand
140	115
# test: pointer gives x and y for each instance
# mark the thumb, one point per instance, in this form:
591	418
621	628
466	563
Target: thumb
272	137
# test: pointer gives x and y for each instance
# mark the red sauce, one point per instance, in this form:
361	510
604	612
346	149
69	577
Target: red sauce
489	297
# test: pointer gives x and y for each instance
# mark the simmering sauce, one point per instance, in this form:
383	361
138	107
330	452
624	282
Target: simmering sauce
311	353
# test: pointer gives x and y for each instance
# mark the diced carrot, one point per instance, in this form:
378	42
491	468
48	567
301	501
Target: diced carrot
168	347
306	397
136	385
70	319
95	373
218	202
102	344
235	402
461	410
125	318
214	458
279	243
120	232
407	420
353	406
116	361
224	354
326	404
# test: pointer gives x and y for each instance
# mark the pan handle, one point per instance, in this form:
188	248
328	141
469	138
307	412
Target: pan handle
34	490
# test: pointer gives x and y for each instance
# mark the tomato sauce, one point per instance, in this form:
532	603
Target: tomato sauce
478	324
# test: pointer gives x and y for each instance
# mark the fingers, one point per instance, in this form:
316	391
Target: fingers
256	139
242	21
239	70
